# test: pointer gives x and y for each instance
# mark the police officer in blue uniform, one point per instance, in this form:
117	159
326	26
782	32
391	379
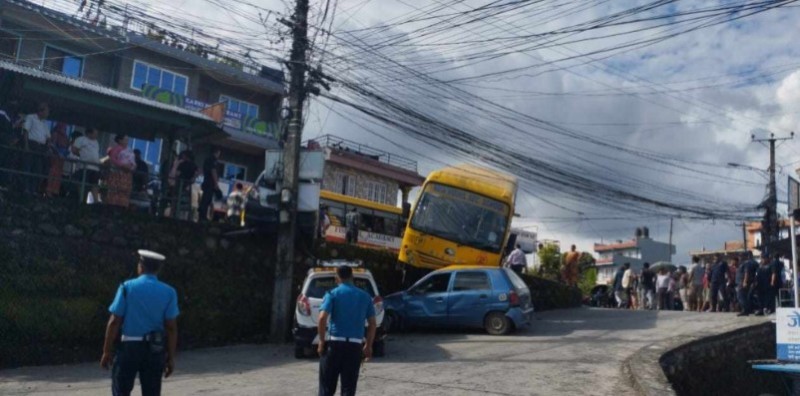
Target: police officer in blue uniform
345	308
145	309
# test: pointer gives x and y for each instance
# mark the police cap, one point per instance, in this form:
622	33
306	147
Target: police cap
151	260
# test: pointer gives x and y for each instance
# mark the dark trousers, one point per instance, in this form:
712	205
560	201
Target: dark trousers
518	268
716	288
132	358
205	203
745	296
352	236
766	299
340	359
35	163
663	299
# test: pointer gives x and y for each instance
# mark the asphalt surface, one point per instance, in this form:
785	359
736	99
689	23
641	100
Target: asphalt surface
568	352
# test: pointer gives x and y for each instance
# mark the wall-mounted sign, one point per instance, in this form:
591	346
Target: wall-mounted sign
787	327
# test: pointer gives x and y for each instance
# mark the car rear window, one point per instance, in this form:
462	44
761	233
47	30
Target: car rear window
319	286
515	279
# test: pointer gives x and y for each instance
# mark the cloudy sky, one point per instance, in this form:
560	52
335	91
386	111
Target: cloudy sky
695	98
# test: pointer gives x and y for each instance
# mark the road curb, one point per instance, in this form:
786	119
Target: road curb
644	370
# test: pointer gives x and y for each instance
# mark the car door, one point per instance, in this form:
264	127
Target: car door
468	299
426	302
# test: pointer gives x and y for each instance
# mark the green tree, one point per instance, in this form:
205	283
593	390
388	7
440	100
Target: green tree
587	280
550	262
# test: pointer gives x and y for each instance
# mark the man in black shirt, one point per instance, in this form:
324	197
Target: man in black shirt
719	277
745	279
142	172
649	285
210	183
764	286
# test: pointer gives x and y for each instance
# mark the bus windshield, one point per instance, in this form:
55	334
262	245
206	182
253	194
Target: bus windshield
461	216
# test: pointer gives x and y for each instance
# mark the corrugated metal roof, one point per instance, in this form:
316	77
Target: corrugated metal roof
97	88
120	35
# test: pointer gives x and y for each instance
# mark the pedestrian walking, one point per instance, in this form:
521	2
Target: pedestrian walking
662	284
627	283
730	304
619	291
649	285
718	278
516	260
144	311
777	278
353	220
745	279
695	294
683	287
764	286
341	334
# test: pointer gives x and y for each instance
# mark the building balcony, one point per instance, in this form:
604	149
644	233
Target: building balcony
349	147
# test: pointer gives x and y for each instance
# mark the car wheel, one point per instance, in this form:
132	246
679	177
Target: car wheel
391	321
497	323
379	348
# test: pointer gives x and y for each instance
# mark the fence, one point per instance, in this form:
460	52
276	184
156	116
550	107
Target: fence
46	173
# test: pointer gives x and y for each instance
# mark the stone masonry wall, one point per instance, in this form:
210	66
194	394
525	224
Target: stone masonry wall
718	365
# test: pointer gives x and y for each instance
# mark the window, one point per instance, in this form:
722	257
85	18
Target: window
345	184
62	62
466	281
228	171
434	284
240	106
144	73
9	45
151	151
317	287
376	192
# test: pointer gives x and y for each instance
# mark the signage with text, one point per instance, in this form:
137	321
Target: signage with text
373	240
787	327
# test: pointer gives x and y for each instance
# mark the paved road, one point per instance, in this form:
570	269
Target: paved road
567	352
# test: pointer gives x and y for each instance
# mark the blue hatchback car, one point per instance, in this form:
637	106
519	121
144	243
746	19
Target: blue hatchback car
492	298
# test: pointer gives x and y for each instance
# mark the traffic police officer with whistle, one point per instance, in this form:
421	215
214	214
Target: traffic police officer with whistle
145	309
340	345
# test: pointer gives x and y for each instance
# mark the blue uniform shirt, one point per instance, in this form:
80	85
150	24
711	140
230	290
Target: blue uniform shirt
348	307
148	304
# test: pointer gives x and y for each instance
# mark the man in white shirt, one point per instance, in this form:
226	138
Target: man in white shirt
35	138
88	151
516	259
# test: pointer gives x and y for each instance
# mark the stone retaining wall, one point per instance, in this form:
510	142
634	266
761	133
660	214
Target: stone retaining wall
707	364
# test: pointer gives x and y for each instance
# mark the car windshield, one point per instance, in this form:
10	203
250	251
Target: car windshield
321	285
461	216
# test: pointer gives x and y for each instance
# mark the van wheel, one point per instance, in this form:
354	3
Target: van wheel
379	348
496	323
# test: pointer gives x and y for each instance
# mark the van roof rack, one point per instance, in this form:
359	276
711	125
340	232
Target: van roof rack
340	263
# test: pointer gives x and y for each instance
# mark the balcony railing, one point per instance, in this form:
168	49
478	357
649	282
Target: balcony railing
349	146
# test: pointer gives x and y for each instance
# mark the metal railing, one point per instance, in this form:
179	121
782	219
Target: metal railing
349	146
26	171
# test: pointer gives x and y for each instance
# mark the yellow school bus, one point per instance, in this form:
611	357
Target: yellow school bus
462	216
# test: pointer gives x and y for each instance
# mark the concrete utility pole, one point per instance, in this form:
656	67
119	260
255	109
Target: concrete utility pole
284	265
770	231
670	240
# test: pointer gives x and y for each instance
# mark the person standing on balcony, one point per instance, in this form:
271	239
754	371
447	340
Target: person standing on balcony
119	179
210	185
59	149
35	138
353	220
88	151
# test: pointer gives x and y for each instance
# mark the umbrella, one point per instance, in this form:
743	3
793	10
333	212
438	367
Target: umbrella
657	267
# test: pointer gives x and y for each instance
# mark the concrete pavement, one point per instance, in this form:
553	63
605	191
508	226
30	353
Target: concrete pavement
572	352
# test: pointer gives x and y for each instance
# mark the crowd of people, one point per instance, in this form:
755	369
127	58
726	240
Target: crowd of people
741	285
42	158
